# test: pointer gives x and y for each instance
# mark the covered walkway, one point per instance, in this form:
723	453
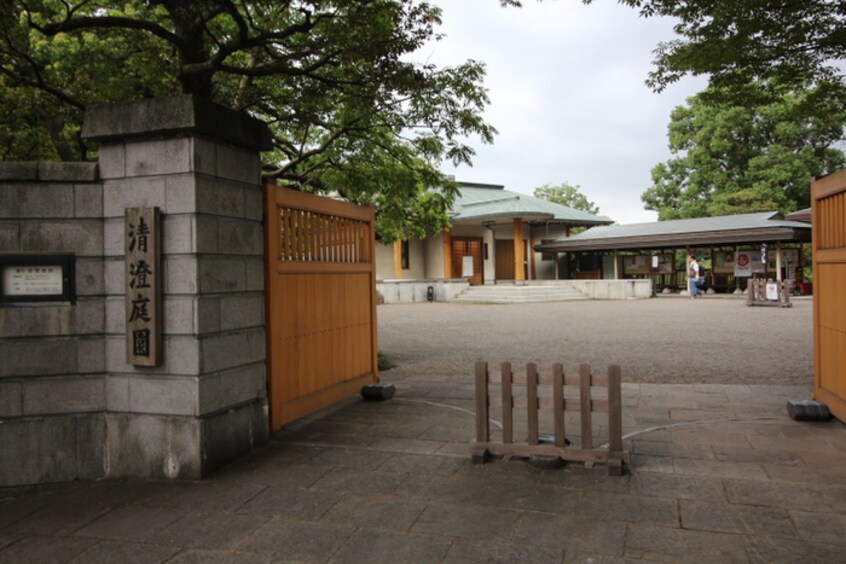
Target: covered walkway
731	247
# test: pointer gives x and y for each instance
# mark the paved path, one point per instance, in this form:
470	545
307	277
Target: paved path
664	340
719	474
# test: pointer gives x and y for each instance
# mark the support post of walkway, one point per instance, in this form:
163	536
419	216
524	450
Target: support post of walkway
533	273
447	251
519	250
778	261
398	260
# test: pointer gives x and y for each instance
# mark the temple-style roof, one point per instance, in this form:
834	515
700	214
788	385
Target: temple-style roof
492	202
763	227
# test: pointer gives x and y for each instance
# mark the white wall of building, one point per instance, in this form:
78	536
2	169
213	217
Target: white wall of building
417	261
433	251
384	261
427	260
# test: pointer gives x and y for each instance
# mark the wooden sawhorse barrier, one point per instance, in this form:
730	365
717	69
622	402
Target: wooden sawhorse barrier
534	403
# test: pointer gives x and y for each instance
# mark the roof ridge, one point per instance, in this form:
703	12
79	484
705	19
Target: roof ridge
488	201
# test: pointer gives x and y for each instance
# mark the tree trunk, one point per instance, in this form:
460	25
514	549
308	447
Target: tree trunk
188	18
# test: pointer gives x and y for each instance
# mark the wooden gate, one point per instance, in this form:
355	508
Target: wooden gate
828	201
320	302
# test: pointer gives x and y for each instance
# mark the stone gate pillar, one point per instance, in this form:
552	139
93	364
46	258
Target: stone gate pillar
205	403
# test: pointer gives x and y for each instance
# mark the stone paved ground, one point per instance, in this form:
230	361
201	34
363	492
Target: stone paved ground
719	474
669	340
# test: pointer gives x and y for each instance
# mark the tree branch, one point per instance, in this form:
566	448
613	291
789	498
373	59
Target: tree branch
89	22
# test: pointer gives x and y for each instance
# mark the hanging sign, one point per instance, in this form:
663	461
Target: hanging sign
143	286
747	263
467	266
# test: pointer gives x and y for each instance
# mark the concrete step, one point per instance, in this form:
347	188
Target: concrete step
520	294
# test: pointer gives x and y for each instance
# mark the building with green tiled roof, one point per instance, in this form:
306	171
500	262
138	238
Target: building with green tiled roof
487	219
490	202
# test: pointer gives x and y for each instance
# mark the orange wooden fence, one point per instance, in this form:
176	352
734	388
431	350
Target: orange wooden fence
321	301
828	203
548	394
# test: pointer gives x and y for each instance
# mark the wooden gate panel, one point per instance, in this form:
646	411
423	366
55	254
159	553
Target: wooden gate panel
828	196
321	304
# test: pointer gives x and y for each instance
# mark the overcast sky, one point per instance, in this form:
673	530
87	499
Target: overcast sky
566	83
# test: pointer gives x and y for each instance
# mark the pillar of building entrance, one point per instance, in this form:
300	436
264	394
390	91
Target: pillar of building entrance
519	250
447	251
398	260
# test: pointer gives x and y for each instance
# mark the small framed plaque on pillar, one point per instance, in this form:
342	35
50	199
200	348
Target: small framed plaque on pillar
142	231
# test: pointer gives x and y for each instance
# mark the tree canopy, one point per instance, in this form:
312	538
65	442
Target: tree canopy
566	194
792	42
334	79
736	158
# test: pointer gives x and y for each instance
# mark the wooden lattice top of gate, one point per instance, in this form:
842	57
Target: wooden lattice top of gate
321	301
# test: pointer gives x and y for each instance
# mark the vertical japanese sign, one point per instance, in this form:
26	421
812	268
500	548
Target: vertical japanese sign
143	286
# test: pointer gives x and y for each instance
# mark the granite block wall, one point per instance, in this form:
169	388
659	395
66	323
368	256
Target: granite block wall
70	405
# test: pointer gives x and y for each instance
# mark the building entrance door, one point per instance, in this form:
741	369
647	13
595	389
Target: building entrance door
462	248
505	261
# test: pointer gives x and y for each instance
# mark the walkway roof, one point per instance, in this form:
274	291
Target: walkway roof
800	215
492	202
763	227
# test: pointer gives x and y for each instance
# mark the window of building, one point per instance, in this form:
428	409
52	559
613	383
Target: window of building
405	260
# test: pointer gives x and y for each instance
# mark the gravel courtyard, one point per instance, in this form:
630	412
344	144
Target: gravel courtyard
717	340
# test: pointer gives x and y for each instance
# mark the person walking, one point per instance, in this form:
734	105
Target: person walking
694	277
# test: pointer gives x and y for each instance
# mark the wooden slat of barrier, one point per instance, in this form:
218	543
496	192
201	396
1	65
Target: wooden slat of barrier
615	409
483	430
333	240
547	404
584	397
296	227
507	405
327	238
306	235
303	235
558	403
532	398
346	232
287	248
825	208
342	255
298	234
348	241
314	238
